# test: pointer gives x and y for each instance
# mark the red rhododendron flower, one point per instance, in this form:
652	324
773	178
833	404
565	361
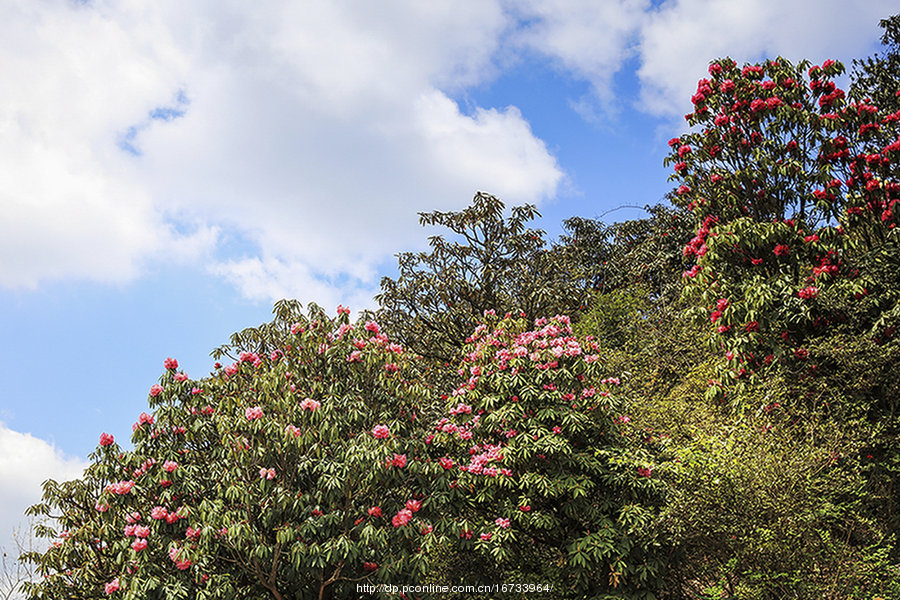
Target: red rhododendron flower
106	439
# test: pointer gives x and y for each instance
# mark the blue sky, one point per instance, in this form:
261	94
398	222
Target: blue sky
170	169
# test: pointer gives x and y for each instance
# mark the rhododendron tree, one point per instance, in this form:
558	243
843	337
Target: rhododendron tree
267	483
549	472
793	187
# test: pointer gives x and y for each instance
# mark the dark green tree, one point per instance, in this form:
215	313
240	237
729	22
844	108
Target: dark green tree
491	262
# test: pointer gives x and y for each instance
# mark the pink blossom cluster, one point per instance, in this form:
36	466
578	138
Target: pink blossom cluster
112	586
119	487
310	404
381	432
267	473
398	460
481	456
403	516
161	513
106	439
181	564
253	413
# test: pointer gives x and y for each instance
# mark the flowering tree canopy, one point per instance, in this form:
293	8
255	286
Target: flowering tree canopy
278	475
794	189
542	450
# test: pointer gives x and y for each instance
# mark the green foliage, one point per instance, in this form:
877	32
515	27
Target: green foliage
641	252
769	503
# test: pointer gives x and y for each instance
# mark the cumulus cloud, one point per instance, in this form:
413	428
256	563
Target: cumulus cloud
135	133
73	81
25	463
314	131
591	40
678	40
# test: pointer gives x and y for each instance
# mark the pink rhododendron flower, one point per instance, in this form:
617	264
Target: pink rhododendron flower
133	517
254	412
170	466
485	536
525	508
381	432
310	404
101	507
156	390
159	513
403	517
144	418
138	544
267	473
355	356
375	511
181	376
120	487
141	531
645	471
112	586
501	522
180	564
170	363
106	439
372	326
399	460
413	505
446	462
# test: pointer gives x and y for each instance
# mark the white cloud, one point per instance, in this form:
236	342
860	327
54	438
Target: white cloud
316	131
73	81
25	463
591	40
680	39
